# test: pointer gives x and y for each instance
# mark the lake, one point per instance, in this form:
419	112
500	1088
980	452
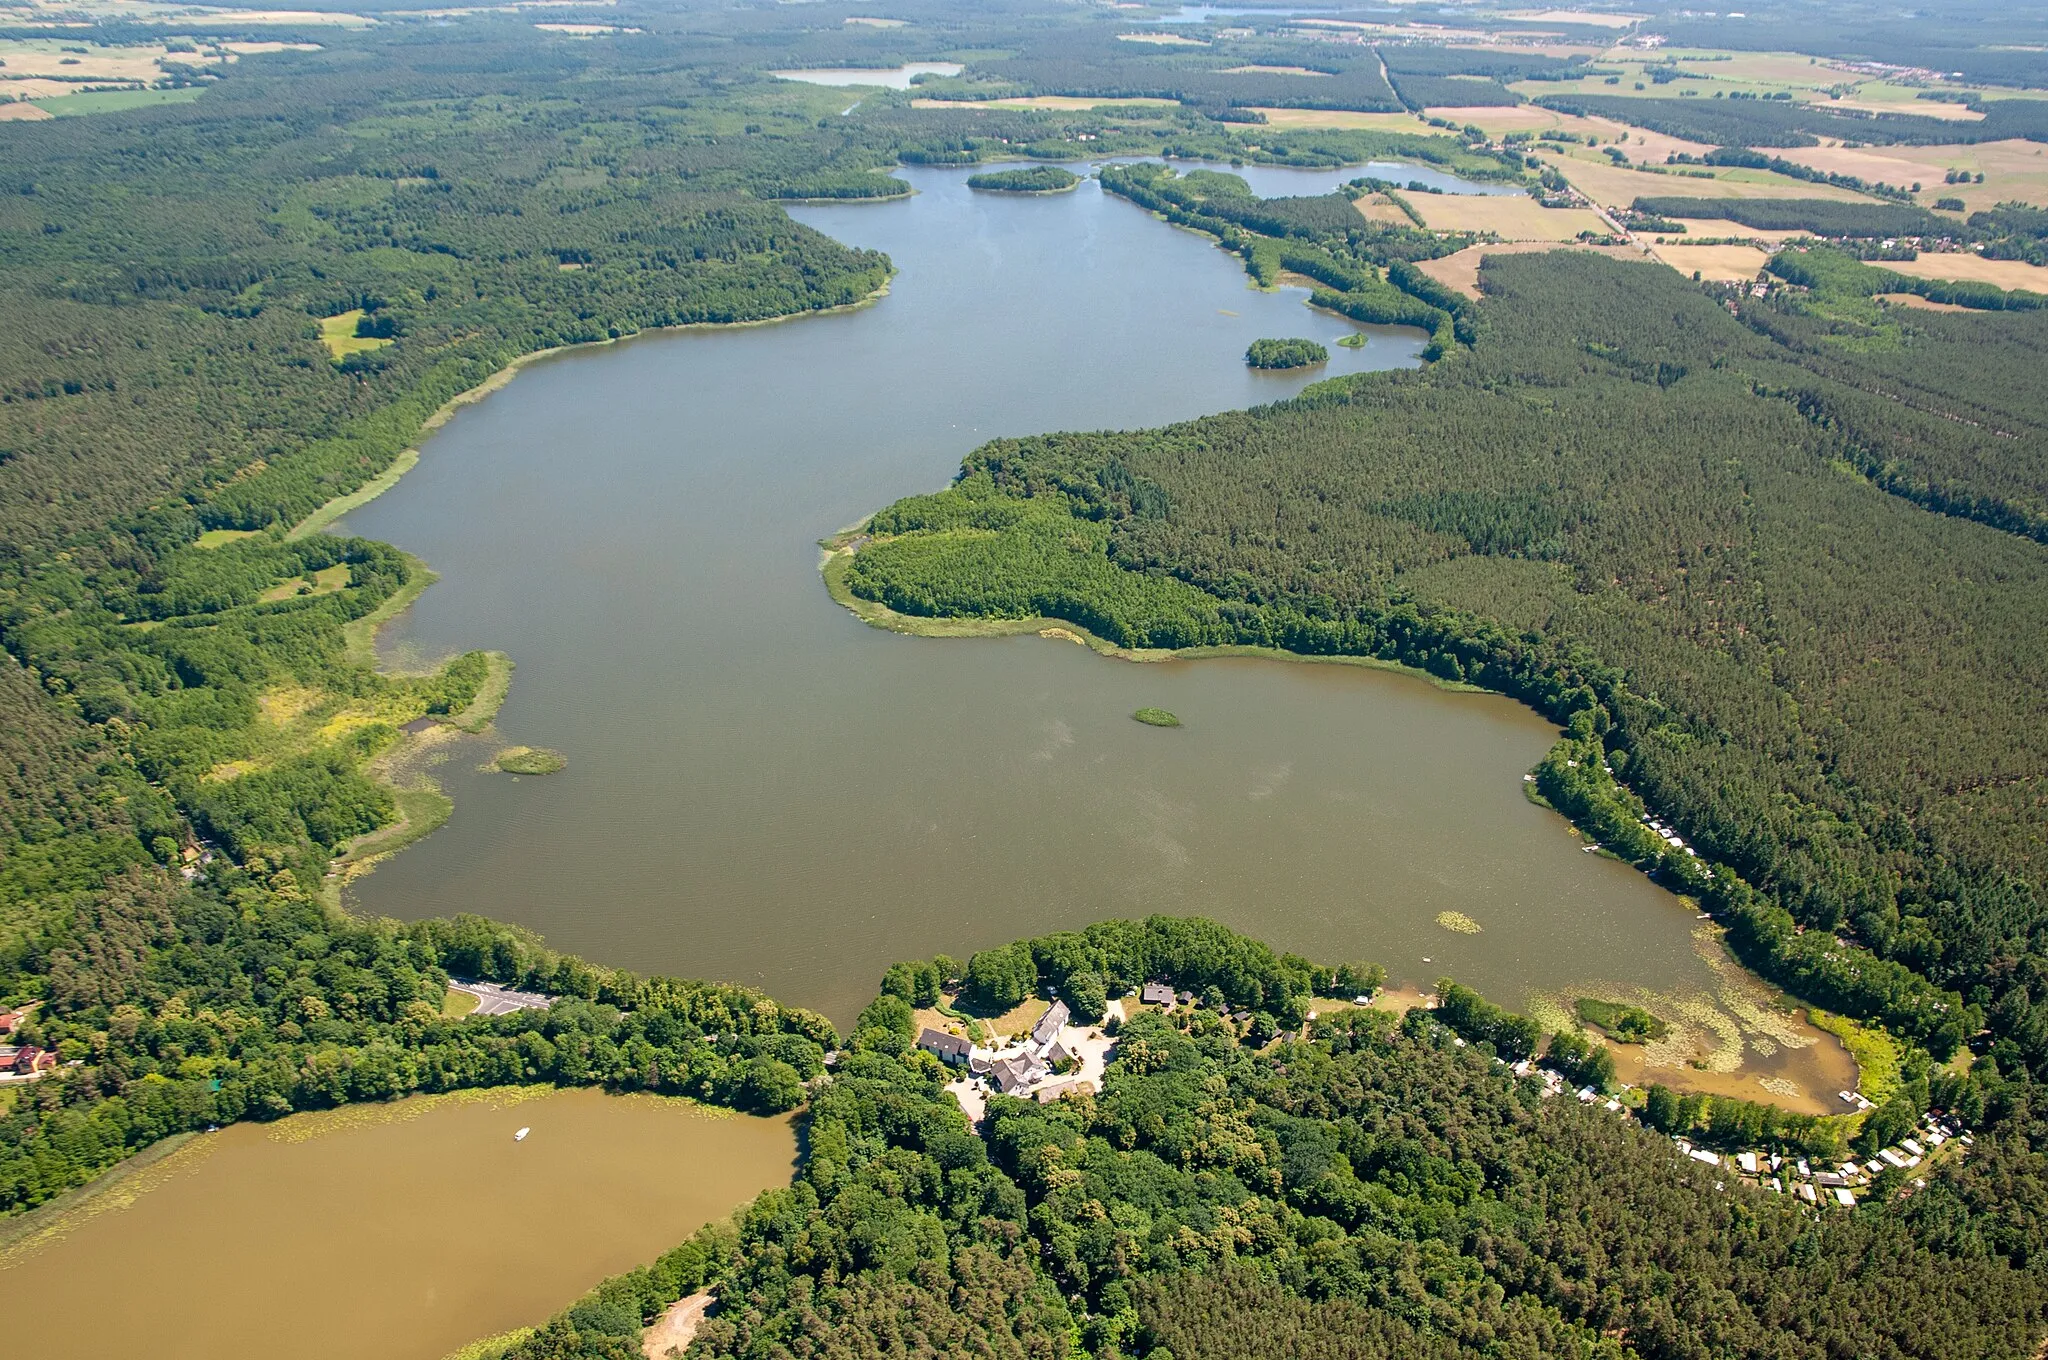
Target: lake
763	789
891	78
400	1231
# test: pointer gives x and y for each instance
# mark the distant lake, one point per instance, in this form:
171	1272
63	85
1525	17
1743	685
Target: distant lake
763	789
892	78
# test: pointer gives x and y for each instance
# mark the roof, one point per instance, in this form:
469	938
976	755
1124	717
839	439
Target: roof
1156	994
948	1046
1049	1025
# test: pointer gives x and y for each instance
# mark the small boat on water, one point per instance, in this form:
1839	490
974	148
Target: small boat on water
520	1136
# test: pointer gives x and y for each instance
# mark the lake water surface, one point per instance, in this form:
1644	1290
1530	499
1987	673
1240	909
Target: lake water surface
762	789
401	1232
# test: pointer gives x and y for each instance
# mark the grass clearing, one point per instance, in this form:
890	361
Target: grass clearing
220	538
326	581
338	333
116	101
455	1005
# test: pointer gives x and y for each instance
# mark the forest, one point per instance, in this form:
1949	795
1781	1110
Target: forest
1763	122
1361	1184
1821	216
1775	562
1842	719
1038	179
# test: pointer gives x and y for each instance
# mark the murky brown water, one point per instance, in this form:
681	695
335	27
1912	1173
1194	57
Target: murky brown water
400	1232
761	788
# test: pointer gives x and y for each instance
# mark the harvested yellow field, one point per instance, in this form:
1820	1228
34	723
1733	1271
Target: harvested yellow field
1512	217
1616	186
1925	108
1271	71
862	21
1343	118
1714	227
1719	264
1972	268
1461	271
1036	101
2012	169
1918	303
23	113
1161	39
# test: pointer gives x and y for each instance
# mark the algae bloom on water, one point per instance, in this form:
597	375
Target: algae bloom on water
1156	717
529	760
1458	921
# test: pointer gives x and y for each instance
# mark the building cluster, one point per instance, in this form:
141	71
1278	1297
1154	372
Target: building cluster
1030	1066
1843	1184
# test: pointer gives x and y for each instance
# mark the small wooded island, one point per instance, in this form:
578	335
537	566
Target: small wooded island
1294	353
1039	179
1156	717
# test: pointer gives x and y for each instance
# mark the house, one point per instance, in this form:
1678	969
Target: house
1049	1025
1845	1199
1156	994
1059	1054
27	1060
947	1048
1014	1073
10	1021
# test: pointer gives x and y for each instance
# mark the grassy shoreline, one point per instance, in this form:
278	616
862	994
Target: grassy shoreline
423	806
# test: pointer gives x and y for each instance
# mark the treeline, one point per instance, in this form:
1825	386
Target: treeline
1324	238
1374	1190
1772	123
1039	179
1591	555
1821	216
1833	273
243	998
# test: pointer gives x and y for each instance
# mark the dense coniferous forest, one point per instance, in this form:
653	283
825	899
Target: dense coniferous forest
1821	216
1774	563
1359	1184
1633	542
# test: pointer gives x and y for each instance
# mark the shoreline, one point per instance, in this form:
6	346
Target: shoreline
838	551
423	806
836	555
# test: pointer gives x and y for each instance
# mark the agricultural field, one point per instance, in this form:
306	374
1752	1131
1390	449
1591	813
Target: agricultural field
1064	102
1715	264
1962	264
2012	169
1344	119
1512	217
1461	270
1618	186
